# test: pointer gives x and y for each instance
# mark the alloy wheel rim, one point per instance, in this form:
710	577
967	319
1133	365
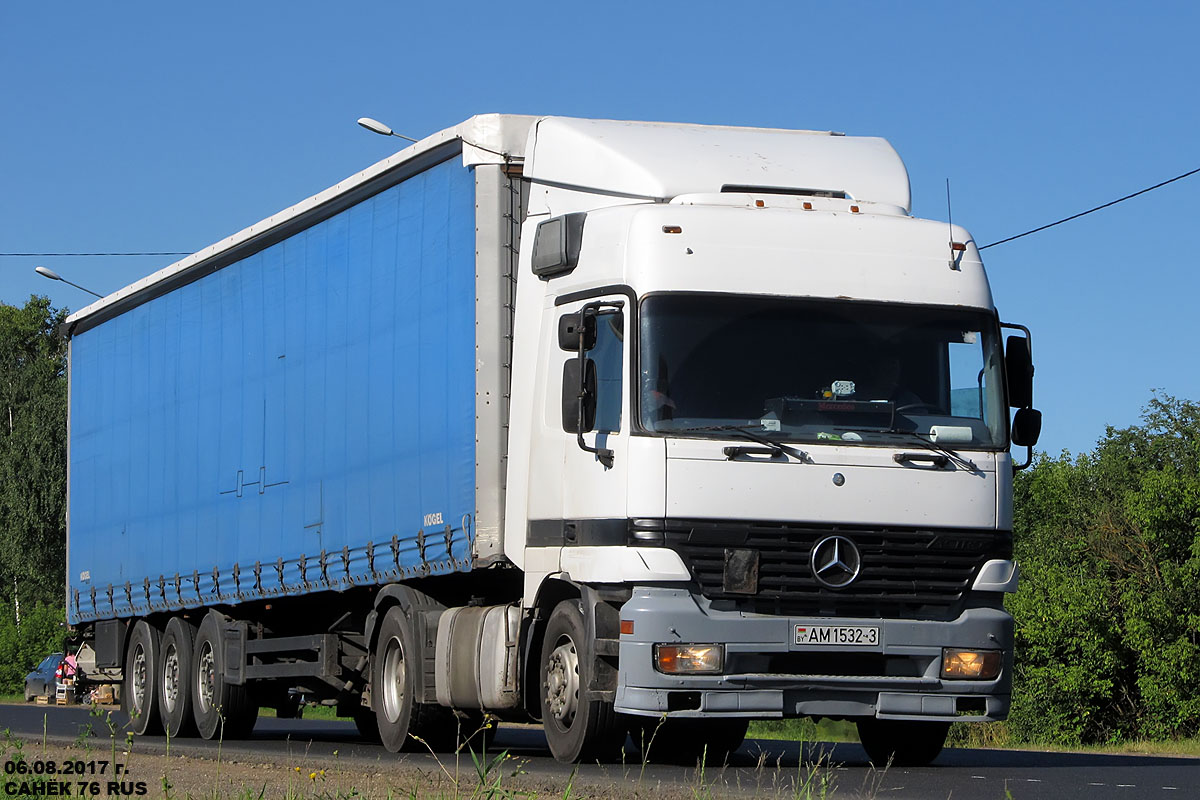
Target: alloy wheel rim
139	679
206	677
170	677
394	675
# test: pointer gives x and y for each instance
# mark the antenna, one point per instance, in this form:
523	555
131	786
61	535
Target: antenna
950	221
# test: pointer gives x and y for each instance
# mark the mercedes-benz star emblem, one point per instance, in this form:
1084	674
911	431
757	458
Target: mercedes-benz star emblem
835	562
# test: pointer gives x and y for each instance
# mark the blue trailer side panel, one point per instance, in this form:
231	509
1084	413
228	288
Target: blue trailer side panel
301	420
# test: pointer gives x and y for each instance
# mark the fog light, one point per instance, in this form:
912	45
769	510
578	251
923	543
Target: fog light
690	659
979	665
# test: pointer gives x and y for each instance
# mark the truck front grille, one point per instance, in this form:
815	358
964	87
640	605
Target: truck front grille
907	573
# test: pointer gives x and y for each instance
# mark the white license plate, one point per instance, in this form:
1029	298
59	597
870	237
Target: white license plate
841	635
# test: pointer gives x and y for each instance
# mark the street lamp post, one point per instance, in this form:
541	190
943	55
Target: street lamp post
46	272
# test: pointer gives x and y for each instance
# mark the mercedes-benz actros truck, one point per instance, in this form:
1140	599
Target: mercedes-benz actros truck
625	427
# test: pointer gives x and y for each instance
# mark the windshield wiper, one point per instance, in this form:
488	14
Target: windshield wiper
745	433
929	444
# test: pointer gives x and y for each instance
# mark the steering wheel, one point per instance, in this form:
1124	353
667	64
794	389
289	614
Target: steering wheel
914	406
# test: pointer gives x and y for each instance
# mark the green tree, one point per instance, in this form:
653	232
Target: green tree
33	454
1108	613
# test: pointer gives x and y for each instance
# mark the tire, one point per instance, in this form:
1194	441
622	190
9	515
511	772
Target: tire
393	684
577	729
139	699
687	740
175	678
220	709
902	743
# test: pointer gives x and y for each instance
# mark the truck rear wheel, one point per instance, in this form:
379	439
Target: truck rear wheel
577	728
174	678
139	699
902	743
220	708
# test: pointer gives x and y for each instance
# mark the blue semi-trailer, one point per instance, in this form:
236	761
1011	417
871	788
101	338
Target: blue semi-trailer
466	434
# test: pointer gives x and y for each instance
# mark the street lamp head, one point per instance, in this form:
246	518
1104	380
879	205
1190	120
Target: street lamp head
375	126
46	272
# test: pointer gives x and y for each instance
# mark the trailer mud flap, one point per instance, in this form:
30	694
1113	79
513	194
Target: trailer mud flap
233	637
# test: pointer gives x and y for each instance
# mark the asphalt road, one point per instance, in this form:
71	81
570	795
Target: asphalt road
976	774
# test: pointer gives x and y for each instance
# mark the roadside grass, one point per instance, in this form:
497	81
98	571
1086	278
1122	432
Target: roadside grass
307	712
34	766
996	736
12	698
804	730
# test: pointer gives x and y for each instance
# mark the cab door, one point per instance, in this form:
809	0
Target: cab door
594	387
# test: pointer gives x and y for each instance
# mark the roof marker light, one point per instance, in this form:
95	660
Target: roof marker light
672	229
958	247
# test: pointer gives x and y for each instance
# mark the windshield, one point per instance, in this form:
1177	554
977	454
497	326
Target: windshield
820	370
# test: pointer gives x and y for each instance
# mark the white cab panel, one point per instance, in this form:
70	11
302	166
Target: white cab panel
659	160
623	564
874	490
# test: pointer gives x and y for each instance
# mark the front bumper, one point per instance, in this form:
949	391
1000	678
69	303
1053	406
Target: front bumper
768	675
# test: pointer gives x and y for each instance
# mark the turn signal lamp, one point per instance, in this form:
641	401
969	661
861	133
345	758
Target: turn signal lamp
968	665
627	627
689	659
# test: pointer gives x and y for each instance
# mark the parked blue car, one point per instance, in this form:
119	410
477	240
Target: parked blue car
43	679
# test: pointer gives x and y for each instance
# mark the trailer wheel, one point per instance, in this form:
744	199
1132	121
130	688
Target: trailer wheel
393	687
139	699
902	743
220	708
174	678
577	728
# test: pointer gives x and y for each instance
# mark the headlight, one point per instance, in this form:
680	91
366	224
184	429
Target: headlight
689	659
979	665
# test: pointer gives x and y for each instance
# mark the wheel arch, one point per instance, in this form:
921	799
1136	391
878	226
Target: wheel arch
423	612
602	626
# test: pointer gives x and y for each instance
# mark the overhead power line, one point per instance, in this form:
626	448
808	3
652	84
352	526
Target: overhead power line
55	255
1097	208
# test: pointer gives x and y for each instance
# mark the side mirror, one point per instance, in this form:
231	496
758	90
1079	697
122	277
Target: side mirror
556	245
576	330
1018	363
1027	427
579	396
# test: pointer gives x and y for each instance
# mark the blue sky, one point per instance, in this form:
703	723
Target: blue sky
156	126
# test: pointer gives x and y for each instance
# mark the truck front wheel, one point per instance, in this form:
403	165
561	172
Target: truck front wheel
578	728
141	668
902	743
